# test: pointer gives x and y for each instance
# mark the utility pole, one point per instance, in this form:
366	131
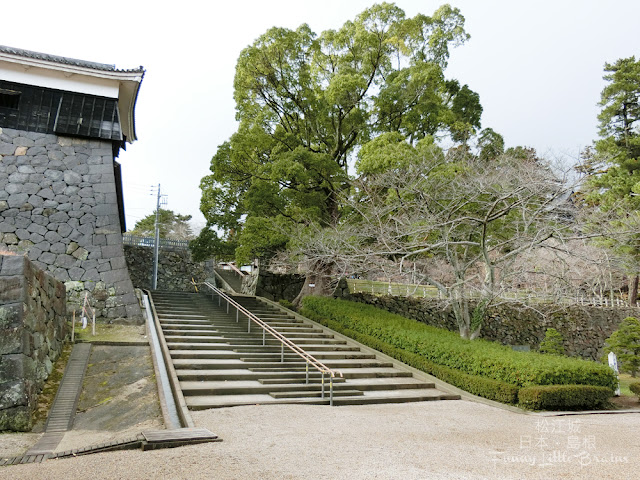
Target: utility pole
156	243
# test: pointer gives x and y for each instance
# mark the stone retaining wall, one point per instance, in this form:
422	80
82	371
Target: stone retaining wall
584	329
33	328
58	204
176	268
273	286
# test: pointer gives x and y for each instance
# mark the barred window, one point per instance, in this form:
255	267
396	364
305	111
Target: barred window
88	116
9	98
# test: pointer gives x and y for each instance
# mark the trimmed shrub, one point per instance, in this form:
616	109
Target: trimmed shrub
635	388
481	386
552	343
478	358
564	397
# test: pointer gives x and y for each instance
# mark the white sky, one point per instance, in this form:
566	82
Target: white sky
537	66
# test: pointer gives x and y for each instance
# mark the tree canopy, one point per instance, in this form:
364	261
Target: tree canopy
306	103
170	225
614	165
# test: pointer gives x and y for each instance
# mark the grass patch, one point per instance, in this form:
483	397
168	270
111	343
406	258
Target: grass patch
625	381
106	332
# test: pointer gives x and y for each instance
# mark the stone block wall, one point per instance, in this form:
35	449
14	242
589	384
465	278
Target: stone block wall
584	329
33	328
176	268
273	286
58	205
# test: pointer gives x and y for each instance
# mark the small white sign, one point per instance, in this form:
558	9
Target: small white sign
312	285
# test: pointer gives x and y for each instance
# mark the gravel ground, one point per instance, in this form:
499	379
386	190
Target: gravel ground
429	440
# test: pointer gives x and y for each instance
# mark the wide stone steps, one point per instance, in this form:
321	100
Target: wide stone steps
234	363
221	359
198	402
265	356
287	384
191	340
315	394
232	374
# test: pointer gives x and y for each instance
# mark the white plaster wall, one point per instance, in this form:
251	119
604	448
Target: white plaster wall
73	82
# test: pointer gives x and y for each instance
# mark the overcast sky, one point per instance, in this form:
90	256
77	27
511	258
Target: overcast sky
537	66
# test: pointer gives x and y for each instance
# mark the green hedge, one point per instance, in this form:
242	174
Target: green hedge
483	387
477	358
564	397
635	388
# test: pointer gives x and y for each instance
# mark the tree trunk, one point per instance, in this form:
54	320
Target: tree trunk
633	291
460	308
317	282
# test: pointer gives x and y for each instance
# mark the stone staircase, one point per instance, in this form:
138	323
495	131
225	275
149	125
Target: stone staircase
219	363
232	278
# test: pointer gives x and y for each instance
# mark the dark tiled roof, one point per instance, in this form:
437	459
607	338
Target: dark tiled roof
65	60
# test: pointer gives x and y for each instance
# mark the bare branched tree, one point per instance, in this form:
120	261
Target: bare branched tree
478	218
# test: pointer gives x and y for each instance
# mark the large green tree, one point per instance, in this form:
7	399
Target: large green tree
614	165
306	103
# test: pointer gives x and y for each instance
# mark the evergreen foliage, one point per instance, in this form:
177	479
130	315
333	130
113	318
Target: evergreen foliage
552	343
625	343
614	167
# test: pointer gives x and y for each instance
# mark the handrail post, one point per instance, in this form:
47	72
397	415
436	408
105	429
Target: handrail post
331	391
307	375
237	315
248	324
323	384
264	337
282	352
227	306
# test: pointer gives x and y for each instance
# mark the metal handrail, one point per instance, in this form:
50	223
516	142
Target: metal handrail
235	269
284	341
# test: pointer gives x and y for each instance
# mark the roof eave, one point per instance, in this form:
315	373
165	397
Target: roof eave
127	99
128	83
121	75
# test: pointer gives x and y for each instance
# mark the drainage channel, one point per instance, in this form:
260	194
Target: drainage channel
180	428
167	400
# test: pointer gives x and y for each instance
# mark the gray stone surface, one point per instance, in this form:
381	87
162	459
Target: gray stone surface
33	328
58	206
175	268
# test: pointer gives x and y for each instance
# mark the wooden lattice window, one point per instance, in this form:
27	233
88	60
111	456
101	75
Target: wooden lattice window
9	98
88	116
